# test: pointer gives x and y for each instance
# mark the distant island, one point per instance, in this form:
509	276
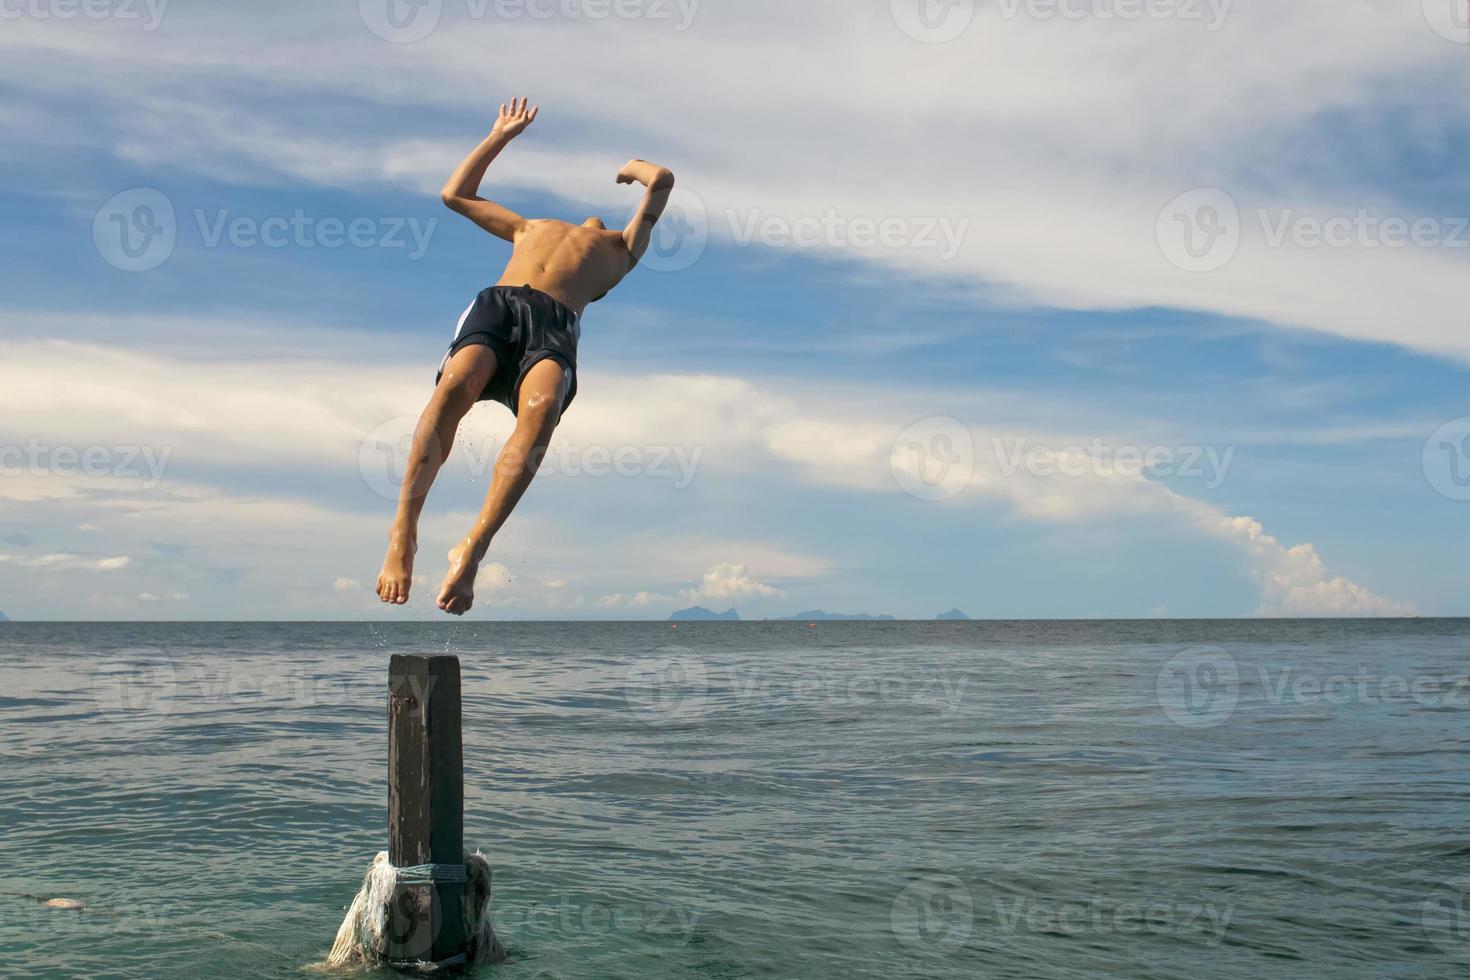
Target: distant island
4	618
952	614
699	614
817	616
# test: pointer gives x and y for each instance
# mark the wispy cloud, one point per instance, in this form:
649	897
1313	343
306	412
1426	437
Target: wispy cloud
67	563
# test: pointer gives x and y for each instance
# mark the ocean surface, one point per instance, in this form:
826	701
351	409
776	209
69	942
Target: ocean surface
1008	800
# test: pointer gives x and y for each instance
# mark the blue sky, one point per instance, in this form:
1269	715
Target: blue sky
1234	246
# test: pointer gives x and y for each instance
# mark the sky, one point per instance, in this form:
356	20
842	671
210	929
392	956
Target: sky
1032	308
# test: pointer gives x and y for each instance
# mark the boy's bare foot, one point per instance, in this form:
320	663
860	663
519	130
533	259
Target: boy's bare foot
396	578
457	594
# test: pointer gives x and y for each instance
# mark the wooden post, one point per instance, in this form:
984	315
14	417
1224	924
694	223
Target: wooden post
425	805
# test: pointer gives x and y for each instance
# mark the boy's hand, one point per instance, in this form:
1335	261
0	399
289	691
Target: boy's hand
514	120
642	172
630	171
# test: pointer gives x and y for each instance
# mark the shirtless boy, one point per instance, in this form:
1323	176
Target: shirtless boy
517	345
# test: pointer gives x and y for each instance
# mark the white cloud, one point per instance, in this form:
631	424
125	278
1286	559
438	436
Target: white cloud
298	414
1296	583
728	582
66	563
166	597
638	600
493	575
347	585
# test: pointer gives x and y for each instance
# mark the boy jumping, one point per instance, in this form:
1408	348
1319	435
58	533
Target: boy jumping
517	345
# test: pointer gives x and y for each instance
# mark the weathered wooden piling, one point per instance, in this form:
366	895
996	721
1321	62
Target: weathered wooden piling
425	807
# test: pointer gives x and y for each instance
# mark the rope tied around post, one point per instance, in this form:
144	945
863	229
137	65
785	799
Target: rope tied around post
431	874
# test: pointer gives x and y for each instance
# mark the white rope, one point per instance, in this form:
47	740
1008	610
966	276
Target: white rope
362	937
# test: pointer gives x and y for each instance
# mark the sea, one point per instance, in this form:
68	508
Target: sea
1235	799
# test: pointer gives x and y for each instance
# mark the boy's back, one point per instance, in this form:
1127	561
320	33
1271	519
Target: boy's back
574	264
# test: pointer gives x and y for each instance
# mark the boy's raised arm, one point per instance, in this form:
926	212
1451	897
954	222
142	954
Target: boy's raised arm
461	191
660	184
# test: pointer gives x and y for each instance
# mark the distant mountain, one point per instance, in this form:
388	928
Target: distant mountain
4	618
698	614
952	614
818	616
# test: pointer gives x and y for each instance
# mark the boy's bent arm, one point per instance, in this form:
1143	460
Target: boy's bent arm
461	191
660	184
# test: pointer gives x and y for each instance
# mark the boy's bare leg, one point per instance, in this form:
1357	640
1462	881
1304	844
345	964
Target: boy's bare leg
464	380
542	392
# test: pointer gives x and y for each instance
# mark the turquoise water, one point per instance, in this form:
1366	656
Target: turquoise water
1151	800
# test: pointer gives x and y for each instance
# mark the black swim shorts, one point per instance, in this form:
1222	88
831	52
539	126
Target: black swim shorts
523	327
